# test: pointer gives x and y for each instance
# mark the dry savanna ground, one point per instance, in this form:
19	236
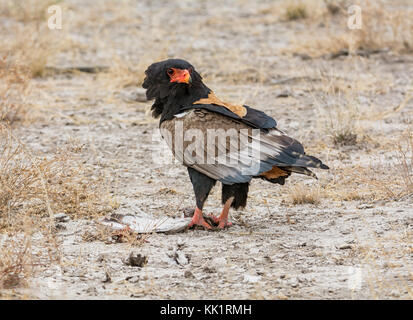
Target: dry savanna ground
76	139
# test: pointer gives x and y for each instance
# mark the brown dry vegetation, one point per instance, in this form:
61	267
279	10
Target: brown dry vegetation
384	27
26	40
13	89
301	194
35	186
32	190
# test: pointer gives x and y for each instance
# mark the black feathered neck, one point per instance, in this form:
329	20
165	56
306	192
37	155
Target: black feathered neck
180	97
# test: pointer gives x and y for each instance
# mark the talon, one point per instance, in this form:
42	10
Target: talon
221	222
198	220
214	218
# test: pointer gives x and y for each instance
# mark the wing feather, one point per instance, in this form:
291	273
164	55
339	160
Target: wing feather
257	151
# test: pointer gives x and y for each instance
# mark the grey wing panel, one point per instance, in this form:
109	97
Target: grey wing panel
254	153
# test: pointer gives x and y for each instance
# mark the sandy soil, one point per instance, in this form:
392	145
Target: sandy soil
332	250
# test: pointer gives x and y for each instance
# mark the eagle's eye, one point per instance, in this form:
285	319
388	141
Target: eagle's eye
170	71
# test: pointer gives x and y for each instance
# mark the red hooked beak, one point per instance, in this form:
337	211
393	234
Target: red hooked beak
179	75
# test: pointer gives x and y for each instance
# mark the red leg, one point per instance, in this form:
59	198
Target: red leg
222	220
198	220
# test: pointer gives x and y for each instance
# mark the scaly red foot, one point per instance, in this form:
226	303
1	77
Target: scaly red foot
198	220
222	220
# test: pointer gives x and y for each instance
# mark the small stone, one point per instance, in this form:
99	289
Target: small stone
293	283
188	274
179	257
132	279
60	226
136	260
251	278
395	294
345	247
61	217
365	206
108	278
209	270
283	94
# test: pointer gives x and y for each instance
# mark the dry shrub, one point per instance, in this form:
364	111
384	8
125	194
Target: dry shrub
342	119
306	10
381	180
32	190
109	236
359	183
338	111
14	84
32	46
335	7
41	186
26	10
296	11
304	194
23	251
383	28
405	160
27	40
15	262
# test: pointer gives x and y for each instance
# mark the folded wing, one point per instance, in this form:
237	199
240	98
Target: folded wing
234	152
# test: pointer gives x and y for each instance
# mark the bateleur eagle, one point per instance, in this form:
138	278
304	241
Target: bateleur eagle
219	141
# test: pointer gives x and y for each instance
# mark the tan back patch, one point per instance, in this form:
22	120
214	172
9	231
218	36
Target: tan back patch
274	173
213	99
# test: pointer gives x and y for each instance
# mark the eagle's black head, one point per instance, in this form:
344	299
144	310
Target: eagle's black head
172	82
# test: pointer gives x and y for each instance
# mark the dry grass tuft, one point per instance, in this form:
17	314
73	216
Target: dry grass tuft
404	156
32	47
338	112
26	10
32	190
19	261
307	11
27	40
302	194
335	7
379	180
296	11
24	249
14	84
15	262
110	236
383	28
38	186
344	138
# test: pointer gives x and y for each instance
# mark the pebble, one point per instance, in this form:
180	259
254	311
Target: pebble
61	217
188	274
251	278
136	260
